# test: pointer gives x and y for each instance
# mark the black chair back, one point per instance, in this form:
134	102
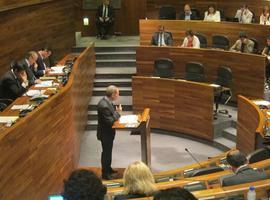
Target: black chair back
197	13
167	12
222	15
256	45
203	40
208	170
220	41
194	72
163	68
259	155
224	76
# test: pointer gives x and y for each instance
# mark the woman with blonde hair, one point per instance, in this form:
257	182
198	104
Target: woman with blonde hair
138	181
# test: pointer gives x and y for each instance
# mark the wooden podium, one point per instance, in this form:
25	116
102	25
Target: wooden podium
143	128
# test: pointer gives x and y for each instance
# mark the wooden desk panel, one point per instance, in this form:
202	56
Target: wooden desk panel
250	122
179	27
174	105
40	150
247	69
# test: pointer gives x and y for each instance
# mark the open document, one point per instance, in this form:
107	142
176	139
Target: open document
131	121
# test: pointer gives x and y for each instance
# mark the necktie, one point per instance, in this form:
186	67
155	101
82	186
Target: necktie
242	47
103	11
160	39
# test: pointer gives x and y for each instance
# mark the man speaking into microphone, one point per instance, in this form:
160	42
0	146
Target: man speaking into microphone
107	115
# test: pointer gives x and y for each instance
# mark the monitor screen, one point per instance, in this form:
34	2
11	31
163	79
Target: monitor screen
56	197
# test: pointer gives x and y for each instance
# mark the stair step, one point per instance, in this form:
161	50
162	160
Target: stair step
120	89
116	70
224	144
116	63
114	76
107	49
124	100
124	91
90	127
124	107
92	115
230	134
117	82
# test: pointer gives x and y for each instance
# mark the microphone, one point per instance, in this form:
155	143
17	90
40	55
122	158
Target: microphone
193	157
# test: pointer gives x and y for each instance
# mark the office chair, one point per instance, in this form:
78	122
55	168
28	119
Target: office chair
163	67
221	42
259	155
167	12
209	170
222	15
203	40
194	71
256	45
197	12
224	79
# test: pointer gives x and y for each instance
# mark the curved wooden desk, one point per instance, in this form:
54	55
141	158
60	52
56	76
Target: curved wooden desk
175	106
40	150
179	27
248	70
250	122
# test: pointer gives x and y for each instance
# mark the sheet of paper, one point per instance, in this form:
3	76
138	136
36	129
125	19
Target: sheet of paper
8	119
57	69
215	85
262	102
128	119
44	84
20	107
31	93
47	78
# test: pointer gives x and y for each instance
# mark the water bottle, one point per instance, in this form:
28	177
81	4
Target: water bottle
251	195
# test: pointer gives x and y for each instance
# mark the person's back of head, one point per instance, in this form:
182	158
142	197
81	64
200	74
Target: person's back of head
138	179
175	193
236	158
83	184
17	67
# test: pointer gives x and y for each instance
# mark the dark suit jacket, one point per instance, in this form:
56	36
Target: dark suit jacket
110	12
167	38
10	87
29	71
244	175
192	17
41	67
106	117
128	196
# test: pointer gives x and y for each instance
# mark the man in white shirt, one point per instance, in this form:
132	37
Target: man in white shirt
244	15
162	38
104	19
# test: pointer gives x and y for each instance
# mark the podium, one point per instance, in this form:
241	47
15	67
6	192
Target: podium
143	127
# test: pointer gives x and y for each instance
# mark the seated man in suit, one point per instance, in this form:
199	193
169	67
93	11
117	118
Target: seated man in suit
14	83
29	64
42	68
243	44
191	40
104	19
162	38
243	172
188	14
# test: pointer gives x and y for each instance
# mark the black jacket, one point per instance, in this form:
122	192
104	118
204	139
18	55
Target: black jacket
29	71
106	117
244	175
193	16
10	87
110	12
40	67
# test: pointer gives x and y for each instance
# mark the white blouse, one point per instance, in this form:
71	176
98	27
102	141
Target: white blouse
264	20
212	17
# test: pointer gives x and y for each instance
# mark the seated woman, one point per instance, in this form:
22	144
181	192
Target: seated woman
191	40
266	50
212	14
264	18
138	182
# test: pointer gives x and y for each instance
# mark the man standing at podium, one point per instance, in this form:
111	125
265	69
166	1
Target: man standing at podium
107	115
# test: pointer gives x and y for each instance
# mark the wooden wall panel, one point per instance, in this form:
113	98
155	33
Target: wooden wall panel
126	18
31	27
179	27
247	69
41	149
228	6
174	105
250	121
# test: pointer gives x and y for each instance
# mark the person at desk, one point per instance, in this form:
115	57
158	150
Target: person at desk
188	14
138	181
41	68
14	83
244	15
266	50
176	193
162	38
243	173
107	115
265	16
212	15
29	64
243	44
104	19
191	40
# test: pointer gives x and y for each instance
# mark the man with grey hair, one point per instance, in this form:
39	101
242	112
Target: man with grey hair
107	115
